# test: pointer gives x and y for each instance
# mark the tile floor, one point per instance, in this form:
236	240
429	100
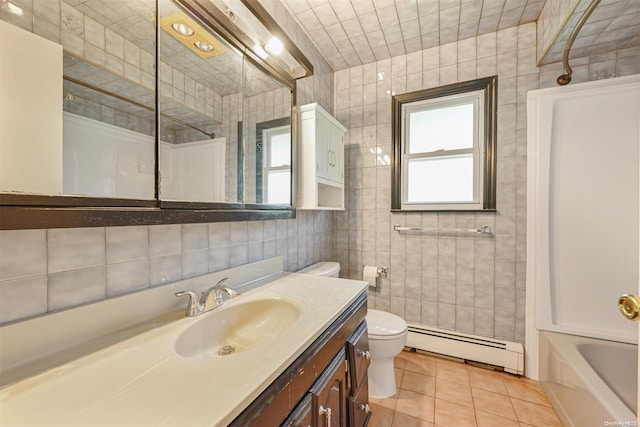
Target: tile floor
438	392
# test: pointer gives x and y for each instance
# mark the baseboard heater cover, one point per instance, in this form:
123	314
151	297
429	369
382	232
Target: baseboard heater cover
506	354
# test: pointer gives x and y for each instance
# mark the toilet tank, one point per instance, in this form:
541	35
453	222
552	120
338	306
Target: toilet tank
329	269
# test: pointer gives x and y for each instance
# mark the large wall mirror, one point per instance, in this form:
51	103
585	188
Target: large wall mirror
166	107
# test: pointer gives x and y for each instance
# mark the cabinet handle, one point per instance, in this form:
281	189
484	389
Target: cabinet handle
325	411
364	407
364	354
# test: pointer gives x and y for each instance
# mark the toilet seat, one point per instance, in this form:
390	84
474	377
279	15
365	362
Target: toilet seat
382	325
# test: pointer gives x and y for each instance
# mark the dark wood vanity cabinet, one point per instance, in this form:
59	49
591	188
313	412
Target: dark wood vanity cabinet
326	386
359	360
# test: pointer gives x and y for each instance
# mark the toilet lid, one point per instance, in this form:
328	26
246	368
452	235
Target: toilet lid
383	324
322	269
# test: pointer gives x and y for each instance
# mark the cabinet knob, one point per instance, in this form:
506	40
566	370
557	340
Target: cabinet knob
364	354
364	407
326	412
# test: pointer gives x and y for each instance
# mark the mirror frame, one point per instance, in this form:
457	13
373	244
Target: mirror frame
20	211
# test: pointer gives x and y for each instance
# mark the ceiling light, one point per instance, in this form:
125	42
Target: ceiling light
204	46
274	46
182	29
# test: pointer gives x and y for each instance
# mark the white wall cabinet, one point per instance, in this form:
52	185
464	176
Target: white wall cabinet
320	160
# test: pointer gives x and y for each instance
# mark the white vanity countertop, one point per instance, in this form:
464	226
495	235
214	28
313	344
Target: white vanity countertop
142	381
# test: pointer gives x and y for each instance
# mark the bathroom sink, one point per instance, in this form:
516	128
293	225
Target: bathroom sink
233	329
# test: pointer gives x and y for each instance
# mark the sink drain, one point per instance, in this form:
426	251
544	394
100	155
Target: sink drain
226	350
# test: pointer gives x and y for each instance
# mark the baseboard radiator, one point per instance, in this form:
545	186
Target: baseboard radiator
506	354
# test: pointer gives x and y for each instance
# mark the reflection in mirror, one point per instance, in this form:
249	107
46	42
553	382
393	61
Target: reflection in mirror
104	96
219	96
109	98
200	86
267	130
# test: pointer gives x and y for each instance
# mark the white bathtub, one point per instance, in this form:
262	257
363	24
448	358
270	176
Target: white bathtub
590	381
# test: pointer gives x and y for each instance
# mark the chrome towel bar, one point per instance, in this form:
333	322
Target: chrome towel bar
485	229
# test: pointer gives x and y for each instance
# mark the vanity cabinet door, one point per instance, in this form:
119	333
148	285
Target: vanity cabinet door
329	394
359	357
359	412
301	415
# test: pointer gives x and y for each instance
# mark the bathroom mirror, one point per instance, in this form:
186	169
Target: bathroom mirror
181	133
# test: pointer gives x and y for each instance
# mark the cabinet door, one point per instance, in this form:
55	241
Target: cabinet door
301	415
359	357
336	154
359	412
329	150
328	394
323	155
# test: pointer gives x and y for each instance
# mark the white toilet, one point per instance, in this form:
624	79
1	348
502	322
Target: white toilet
387	338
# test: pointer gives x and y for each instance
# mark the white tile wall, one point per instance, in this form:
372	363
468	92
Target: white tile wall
473	284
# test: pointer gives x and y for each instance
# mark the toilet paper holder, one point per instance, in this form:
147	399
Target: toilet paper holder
383	270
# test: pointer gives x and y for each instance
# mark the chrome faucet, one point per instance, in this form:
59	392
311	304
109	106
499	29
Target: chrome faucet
209	299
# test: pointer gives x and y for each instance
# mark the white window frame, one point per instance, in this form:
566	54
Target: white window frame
476	98
267	134
482	93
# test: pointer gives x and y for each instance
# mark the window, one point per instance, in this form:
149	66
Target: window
444	147
277	165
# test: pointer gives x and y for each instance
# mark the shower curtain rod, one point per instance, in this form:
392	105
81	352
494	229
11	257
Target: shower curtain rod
211	135
564	79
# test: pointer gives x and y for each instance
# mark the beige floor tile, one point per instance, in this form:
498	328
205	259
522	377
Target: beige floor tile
534	414
420	364
419	383
486	419
450	414
435	392
416	405
453	371
453	392
389	402
400	361
487	380
528	391
380	416
494	403
403	420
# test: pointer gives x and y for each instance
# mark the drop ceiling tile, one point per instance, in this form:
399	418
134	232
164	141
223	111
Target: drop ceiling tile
353	28
336	32
326	15
447	4
370	22
510	18
413	45
407	10
362	6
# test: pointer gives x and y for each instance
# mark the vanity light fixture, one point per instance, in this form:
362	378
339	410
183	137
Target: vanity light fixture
204	46
260	51
192	35
274	46
182	29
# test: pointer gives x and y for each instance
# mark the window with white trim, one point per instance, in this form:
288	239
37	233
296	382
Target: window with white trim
277	165
444	148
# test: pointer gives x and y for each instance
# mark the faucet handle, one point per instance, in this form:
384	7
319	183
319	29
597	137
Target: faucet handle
194	308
